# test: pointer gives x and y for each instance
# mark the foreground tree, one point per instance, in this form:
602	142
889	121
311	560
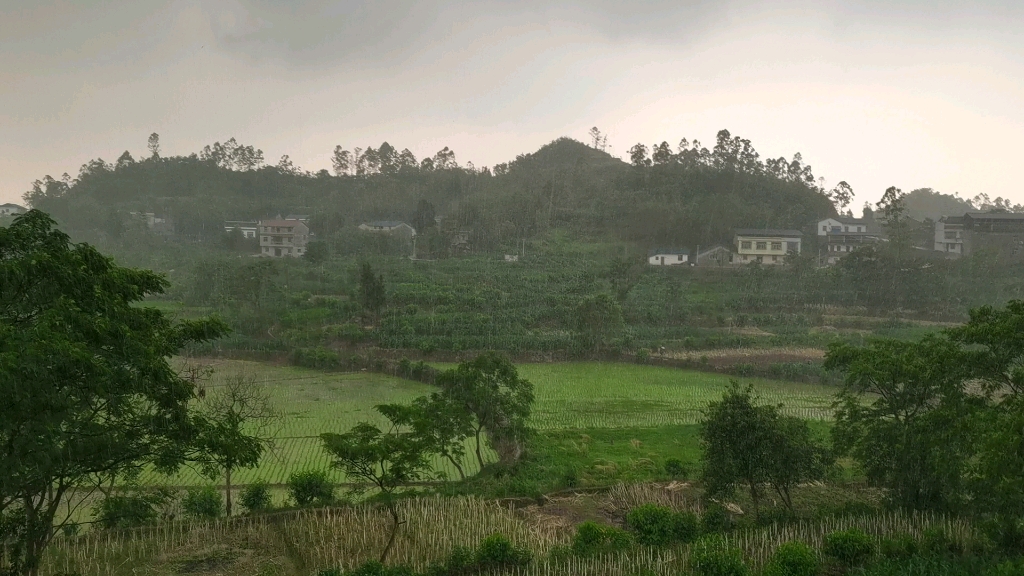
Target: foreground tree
237	428
489	388
385	459
87	388
905	415
754	446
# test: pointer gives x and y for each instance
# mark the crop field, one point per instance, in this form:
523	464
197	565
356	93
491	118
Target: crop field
569	396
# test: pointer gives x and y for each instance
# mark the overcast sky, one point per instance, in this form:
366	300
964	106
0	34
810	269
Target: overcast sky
877	93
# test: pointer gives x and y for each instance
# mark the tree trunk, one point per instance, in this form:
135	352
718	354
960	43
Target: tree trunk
227	491
462	475
395	523
479	457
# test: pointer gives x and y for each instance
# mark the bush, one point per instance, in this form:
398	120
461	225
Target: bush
716	519
793	559
714	557
256	497
899	547
311	487
675	468
593	538
849	548
936	541
497	551
657	526
128	511
203	503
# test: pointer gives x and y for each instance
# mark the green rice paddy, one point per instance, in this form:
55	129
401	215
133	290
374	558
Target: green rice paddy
569	396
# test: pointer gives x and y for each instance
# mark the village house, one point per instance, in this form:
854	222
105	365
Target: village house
949	235
247	228
389	227
668	257
765	246
843	225
1000	233
11	209
718	254
282	237
160	225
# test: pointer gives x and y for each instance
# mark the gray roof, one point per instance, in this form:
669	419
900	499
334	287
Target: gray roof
668	251
847	219
11	205
768	232
386	223
994	216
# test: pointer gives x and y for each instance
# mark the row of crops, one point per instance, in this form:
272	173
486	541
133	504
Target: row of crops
569	396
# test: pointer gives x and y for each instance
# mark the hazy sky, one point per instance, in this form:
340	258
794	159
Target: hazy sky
877	93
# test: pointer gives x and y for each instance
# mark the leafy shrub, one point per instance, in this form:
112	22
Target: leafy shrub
657	526
899	547
311	487
793	559
675	468
497	551
204	503
129	510
593	538
1005	532
849	548
777	515
936	541
714	557
256	497
716	519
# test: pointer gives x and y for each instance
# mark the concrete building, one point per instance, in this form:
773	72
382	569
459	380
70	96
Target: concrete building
668	257
279	238
949	235
11	210
247	228
765	246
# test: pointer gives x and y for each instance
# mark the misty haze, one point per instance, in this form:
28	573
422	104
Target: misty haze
325	288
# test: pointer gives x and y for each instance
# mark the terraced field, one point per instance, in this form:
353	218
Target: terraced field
578	395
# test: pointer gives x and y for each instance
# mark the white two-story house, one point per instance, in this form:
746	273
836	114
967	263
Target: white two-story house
765	246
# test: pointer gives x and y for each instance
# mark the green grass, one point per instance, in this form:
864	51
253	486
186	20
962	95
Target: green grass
611	403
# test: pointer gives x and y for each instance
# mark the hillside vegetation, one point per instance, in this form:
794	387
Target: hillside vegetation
692	196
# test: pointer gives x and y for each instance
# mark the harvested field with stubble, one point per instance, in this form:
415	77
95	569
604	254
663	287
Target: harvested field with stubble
301	543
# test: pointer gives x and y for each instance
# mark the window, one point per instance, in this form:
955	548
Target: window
776	245
846	228
745	245
679	258
824	228
775	258
762	245
860	228
760	258
266	239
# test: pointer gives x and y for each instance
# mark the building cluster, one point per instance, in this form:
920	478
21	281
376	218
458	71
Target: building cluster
290	235
999	233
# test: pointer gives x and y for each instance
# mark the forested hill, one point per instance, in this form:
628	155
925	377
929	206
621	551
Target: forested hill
691	195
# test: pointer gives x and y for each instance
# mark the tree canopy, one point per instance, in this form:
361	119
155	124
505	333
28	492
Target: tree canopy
85	376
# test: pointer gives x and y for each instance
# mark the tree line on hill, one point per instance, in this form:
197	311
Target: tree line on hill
693	196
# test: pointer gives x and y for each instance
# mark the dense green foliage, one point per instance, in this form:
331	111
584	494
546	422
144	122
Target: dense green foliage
657	526
311	487
88	391
203	503
754	446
